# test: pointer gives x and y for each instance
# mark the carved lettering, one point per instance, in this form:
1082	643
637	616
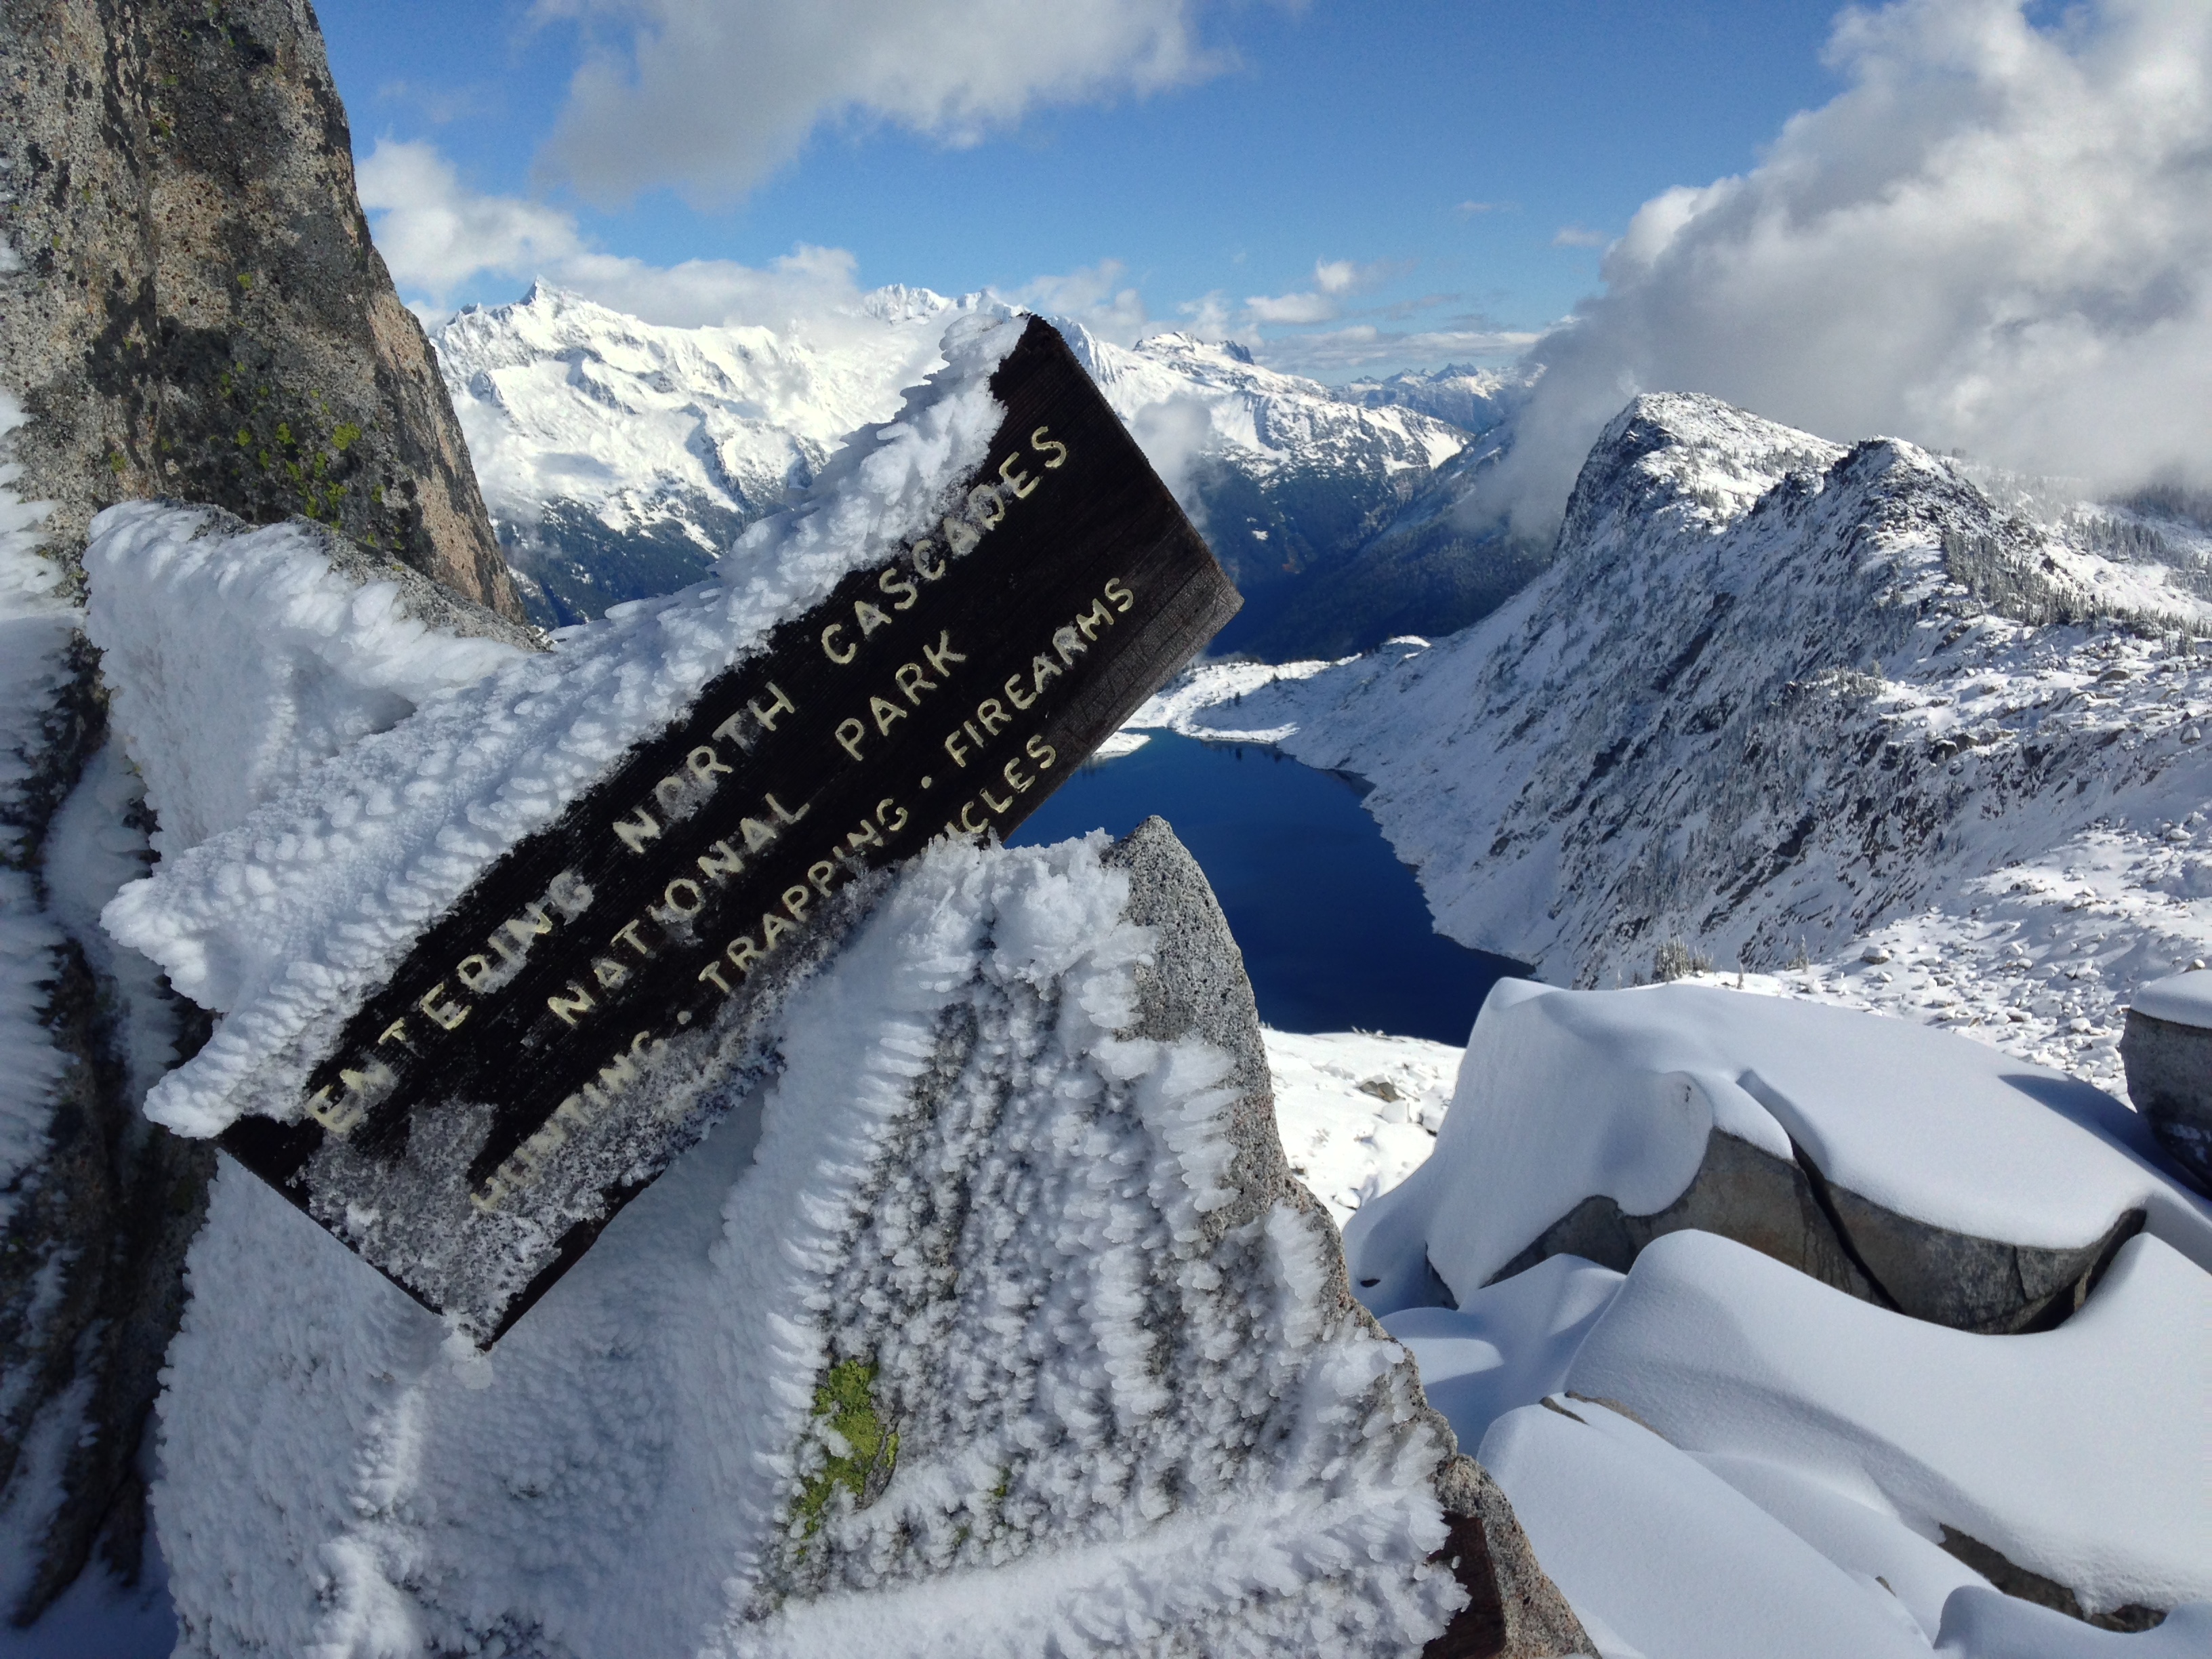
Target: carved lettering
719	863
778	704
638	829
941	655
571	1003
902	593
447	1014
506	1003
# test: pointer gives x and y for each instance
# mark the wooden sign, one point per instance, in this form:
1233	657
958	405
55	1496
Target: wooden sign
586	1010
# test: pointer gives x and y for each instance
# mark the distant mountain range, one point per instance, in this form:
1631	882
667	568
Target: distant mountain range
619	457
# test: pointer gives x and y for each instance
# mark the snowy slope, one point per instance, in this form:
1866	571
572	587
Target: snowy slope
619	457
1288	479
1777	703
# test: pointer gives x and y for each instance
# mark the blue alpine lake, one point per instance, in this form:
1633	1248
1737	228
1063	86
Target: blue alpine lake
1334	930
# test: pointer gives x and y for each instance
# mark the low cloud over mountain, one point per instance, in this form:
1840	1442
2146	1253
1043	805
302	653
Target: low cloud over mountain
1998	238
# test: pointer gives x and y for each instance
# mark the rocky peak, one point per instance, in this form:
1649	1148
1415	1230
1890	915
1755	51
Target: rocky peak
190	308
194	309
1777	701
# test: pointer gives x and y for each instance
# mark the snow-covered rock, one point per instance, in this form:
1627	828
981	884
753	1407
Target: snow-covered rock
995	1324
1662	1559
1716	1453
238	657
1507	1345
1944	1178
2180	999
2167	1050
2048	1447
1780	703
620	457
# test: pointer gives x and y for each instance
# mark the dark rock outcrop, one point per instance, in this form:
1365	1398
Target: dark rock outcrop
2170	1080
2015	1580
190	308
1791	1211
196	310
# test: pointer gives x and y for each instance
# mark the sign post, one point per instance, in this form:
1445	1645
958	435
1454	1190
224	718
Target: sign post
576	1019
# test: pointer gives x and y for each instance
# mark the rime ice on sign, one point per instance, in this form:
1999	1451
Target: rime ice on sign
469	1097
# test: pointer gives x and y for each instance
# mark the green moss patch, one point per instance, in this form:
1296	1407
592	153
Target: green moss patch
862	1447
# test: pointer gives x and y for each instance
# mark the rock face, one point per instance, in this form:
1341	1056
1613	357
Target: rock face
2168	1049
191	306
991	1322
2170	1079
1195	986
1788	1210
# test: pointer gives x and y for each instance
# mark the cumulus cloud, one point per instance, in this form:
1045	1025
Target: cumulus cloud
1097	297
1334	281
438	236
711	96
435	233
1998	238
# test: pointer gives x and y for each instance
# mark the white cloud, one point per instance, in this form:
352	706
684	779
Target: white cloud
1334	281
711	96
1578	236
442	239
435	233
1470	210
1095	296
1208	318
1998	238
1293	310
438	236
1340	276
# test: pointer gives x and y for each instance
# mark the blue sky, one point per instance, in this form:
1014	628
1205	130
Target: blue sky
1460	165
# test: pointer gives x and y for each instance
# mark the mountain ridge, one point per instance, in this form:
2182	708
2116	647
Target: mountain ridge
1811	710
620	457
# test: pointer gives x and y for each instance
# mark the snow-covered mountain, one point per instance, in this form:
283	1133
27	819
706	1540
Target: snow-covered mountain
620	457
1475	399
1778	702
